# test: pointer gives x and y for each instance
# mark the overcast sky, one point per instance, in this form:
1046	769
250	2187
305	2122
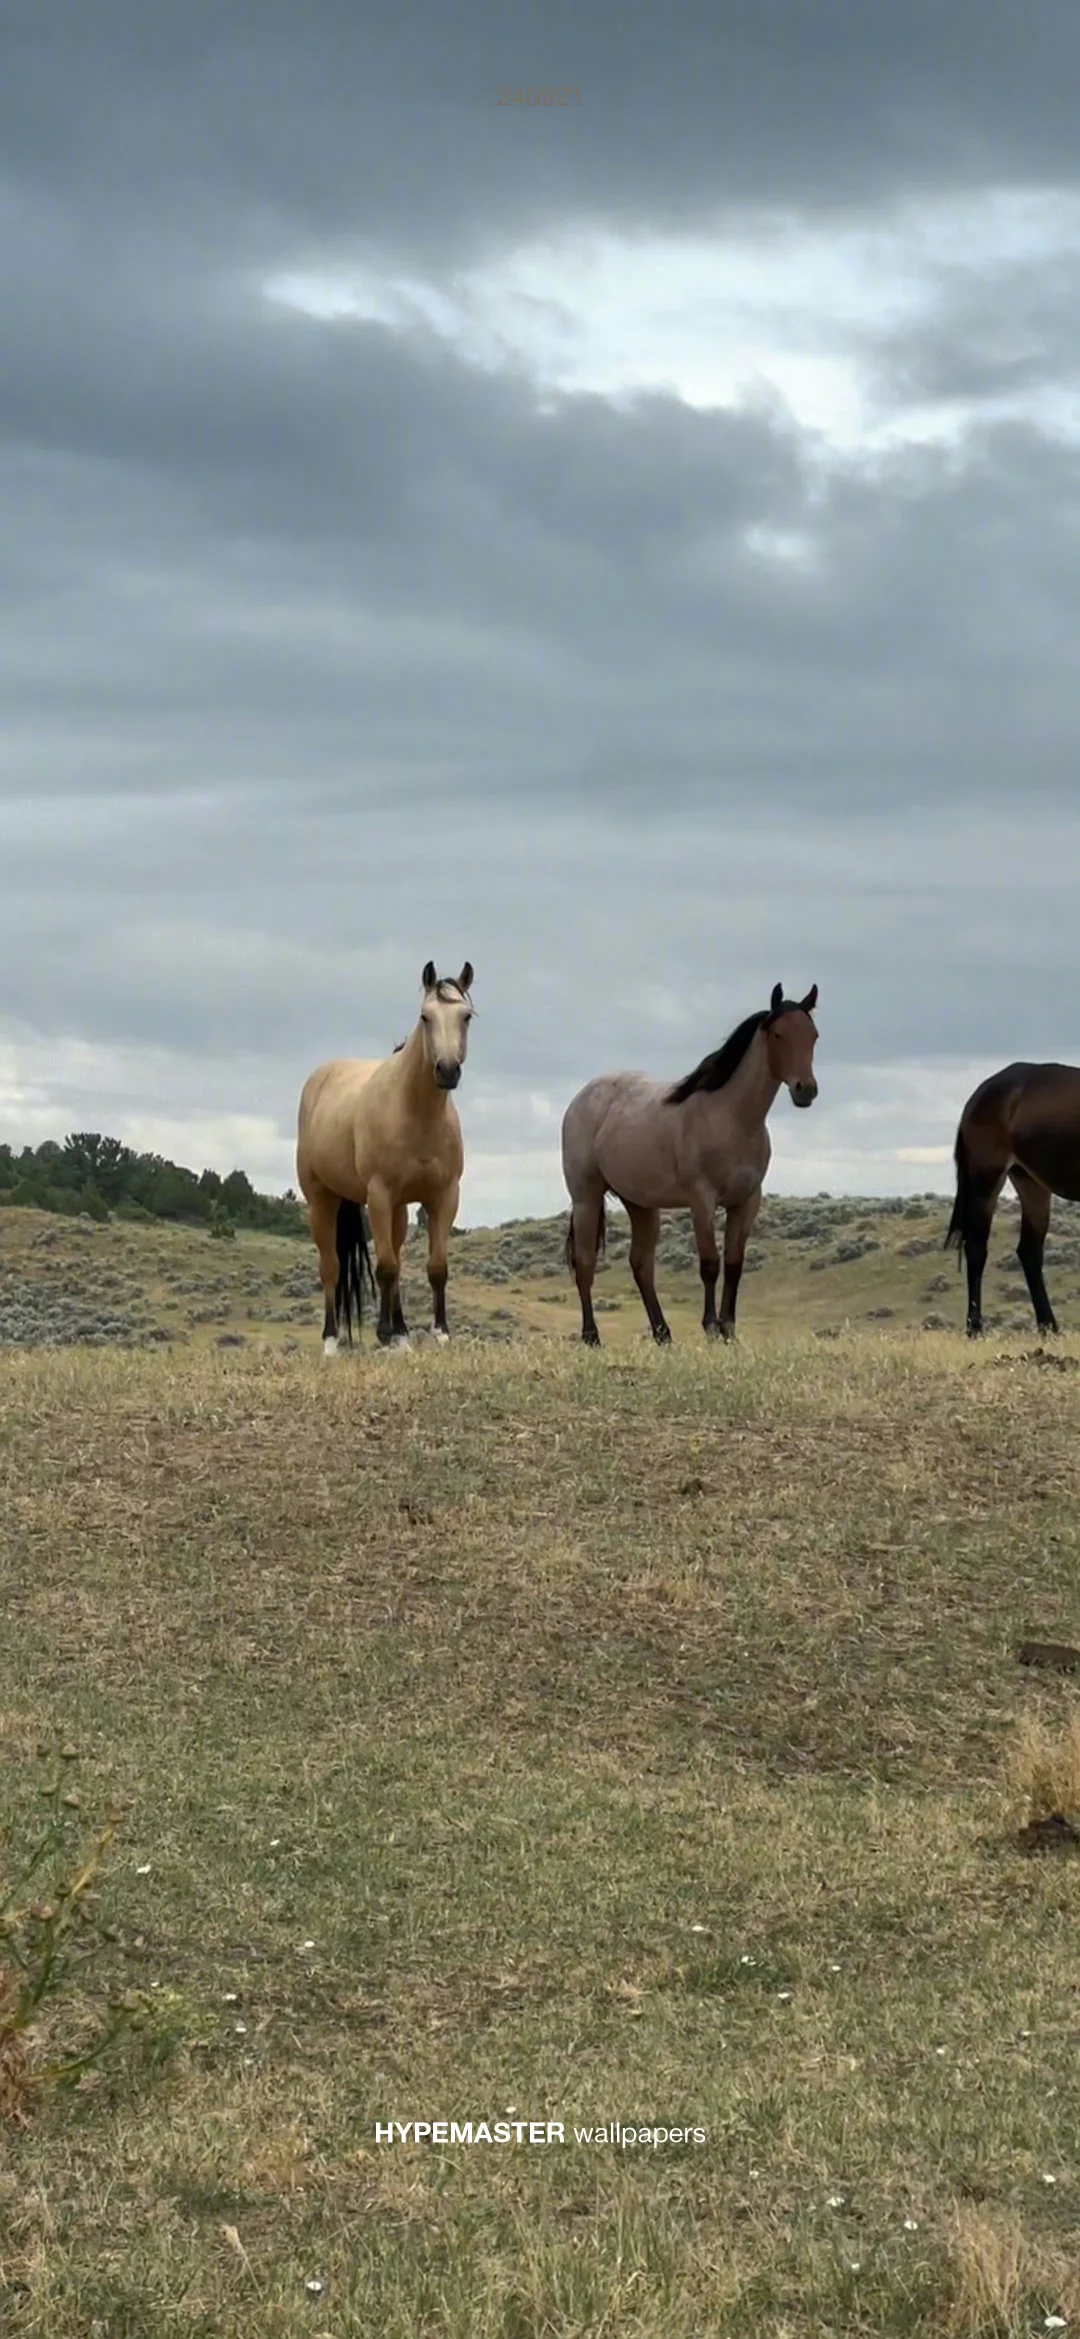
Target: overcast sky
632	543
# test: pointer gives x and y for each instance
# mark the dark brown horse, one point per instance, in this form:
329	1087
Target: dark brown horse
693	1146
1022	1124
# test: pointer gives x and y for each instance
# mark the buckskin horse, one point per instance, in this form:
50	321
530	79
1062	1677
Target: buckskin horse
382	1135
694	1146
1022	1124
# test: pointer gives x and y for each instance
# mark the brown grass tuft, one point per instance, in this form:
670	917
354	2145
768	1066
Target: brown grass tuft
1044	1769
990	2263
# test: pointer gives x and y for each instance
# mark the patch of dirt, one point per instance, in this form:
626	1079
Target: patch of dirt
1057	1656
1055	1834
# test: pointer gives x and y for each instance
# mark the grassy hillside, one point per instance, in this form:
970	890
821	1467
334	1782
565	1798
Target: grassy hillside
619	1739
813	1266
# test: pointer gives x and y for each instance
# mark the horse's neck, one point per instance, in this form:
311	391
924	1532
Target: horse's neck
749	1095
417	1079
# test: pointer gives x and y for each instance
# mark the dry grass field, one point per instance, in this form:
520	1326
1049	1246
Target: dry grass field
628	1739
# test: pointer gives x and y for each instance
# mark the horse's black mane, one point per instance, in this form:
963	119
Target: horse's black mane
715	1071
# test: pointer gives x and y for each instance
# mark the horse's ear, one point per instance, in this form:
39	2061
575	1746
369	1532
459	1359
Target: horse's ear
465	978
777	1000
429	978
810	1001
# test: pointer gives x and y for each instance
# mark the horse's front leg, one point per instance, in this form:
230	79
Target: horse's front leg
385	1217
441	1215
703	1213
737	1230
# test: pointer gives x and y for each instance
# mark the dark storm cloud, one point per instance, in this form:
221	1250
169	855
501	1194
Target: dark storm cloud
341	122
394	569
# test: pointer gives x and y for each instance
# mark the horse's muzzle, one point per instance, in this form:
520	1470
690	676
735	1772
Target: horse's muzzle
447	1075
803	1092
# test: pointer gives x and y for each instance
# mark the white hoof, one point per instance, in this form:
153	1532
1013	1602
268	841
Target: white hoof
438	1334
401	1340
329	1349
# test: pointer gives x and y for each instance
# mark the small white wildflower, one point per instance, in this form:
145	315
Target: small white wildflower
1048	2179
274	1842
144	1870
510	2110
746	1958
835	2201
783	1993
911	2225
855	2266
699	1928
232	1997
305	1945
754	2172
1055	2322
314	2287
940	2050
834	1968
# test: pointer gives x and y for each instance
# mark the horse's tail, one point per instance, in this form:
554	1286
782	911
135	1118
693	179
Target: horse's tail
956	1238
354	1262
570	1251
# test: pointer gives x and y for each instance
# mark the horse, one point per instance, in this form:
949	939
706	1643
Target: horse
1022	1124
694	1146
379	1136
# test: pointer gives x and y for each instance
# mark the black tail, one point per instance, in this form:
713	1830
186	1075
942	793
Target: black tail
956	1238
354	1262
601	1238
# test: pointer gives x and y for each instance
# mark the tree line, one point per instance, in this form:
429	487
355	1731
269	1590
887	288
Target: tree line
100	1176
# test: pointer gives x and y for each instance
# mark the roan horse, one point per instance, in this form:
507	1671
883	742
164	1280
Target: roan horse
1022	1124
696	1145
382	1135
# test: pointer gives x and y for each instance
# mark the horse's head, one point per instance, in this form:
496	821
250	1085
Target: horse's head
790	1034
445	1018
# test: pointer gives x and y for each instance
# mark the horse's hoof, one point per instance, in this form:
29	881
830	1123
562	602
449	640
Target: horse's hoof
438	1334
590	1339
330	1348
401	1340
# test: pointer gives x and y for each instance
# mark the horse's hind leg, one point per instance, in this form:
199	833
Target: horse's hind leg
983	1190
1034	1225
322	1219
644	1236
584	1240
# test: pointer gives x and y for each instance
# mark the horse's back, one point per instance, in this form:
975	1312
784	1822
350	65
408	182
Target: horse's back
1027	1115
1027	1095
610	1128
586	1112
325	1142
